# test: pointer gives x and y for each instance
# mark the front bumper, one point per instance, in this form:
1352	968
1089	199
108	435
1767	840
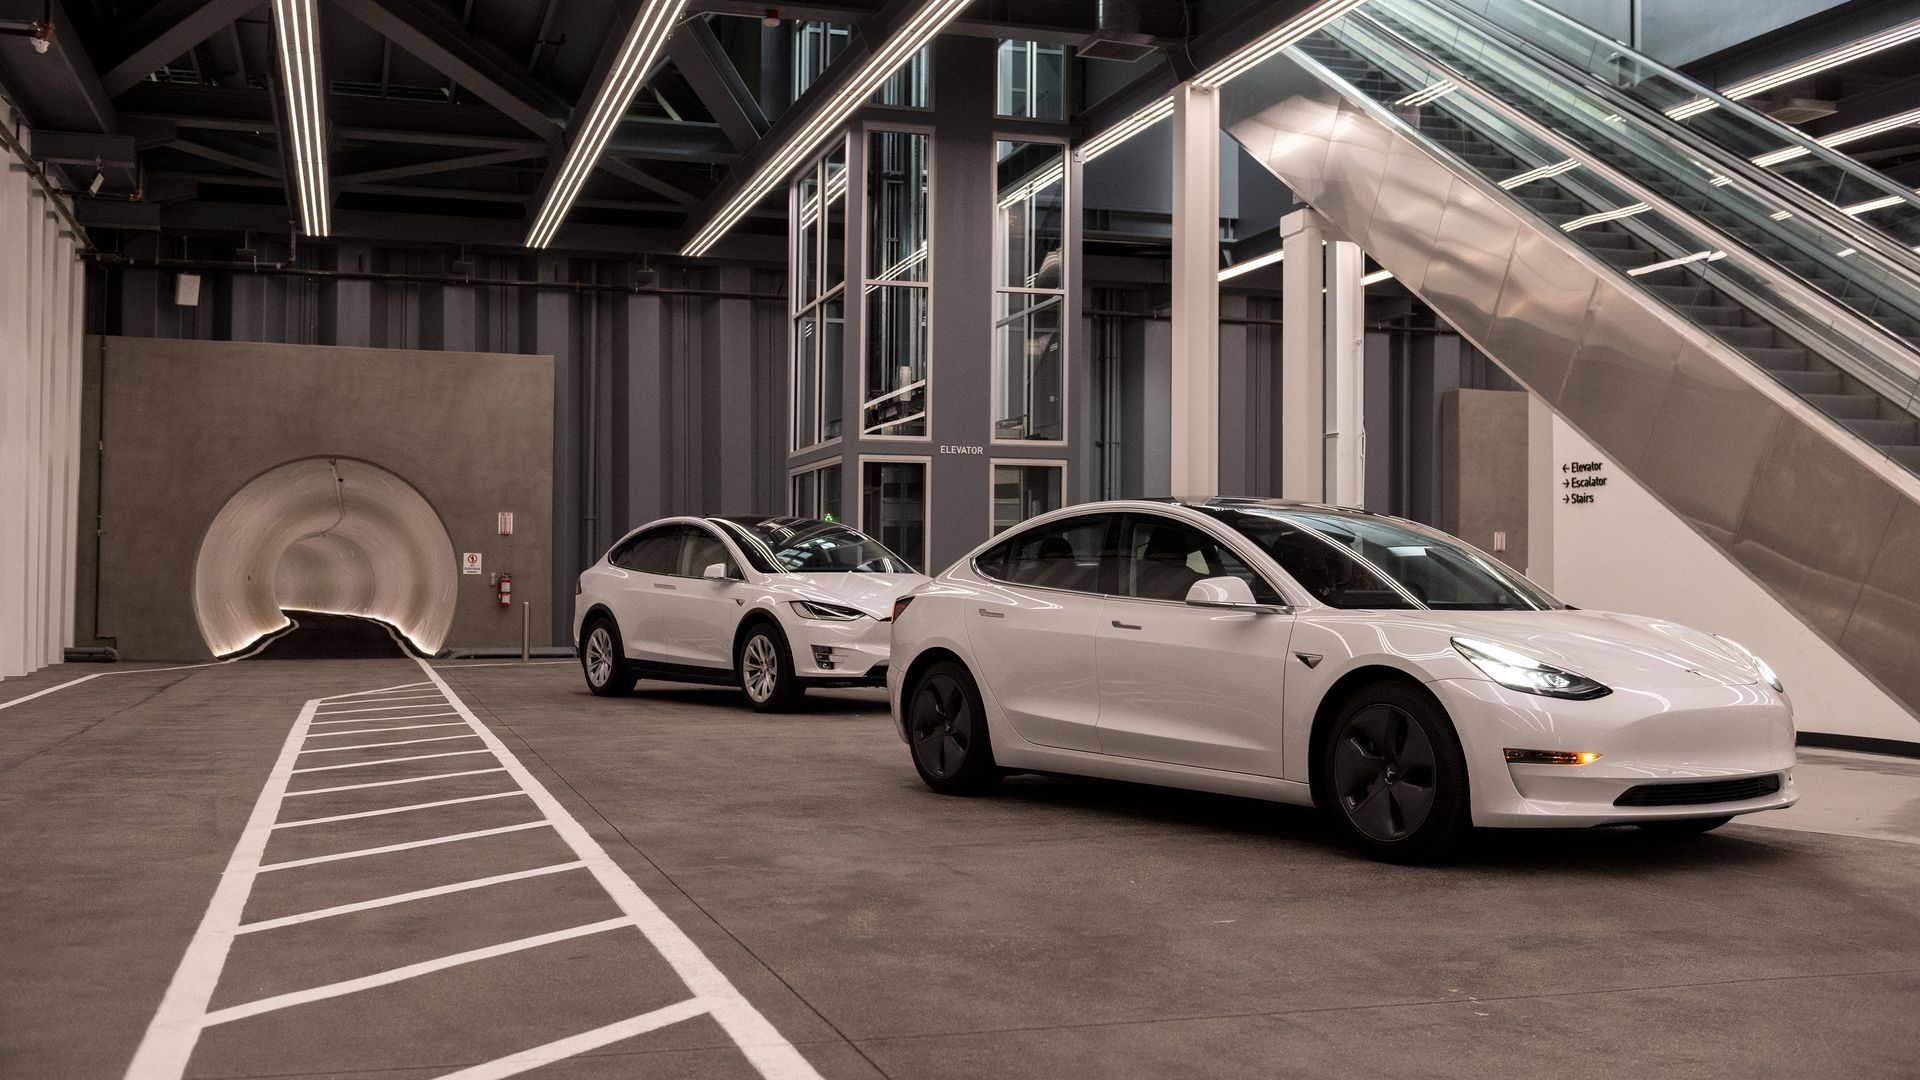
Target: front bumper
840	653
1644	738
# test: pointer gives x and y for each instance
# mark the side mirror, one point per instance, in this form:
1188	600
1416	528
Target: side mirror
716	572
1226	592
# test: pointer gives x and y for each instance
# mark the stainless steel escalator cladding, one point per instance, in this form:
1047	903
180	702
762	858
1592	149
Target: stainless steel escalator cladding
1804	504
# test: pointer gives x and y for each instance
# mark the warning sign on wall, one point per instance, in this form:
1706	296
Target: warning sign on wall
470	563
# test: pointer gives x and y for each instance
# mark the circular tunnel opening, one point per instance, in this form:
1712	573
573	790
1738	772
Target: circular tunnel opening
341	539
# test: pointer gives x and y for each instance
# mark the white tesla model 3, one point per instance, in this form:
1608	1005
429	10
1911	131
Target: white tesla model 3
1401	680
771	604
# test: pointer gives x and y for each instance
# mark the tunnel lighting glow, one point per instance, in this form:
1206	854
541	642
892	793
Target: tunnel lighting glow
1841	138
1251	55
1606	215
1698	256
1818	62
297	37
645	38
1376	277
1428	94
1135	123
1541	173
924	26
1252	264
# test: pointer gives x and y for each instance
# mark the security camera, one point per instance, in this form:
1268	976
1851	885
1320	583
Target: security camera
42	36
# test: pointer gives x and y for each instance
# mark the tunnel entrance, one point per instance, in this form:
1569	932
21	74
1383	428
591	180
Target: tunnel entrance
319	635
337	540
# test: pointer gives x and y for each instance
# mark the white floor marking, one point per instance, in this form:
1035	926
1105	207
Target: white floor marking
390	783
409	808
371	730
384	719
409	971
361	853
23	699
463	666
386	761
381	708
405	898
572	1046
341	699
765	1048
170	1039
391	742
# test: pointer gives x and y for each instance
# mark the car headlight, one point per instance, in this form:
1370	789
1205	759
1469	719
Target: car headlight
814	609
1518	671
1759	665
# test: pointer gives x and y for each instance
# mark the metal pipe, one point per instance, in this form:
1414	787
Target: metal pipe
526	629
39	174
281	269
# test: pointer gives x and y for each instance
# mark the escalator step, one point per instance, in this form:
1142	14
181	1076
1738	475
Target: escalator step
1886	432
1607	238
1846	406
1686	295
1810	382
1777	359
1712	315
1739	336
1905	455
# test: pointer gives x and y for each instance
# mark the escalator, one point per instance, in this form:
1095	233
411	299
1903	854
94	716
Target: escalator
1746	348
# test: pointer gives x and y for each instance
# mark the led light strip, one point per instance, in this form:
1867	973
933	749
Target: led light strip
1541	173
1135	123
297	34
1253	264
1841	138
1249	56
925	25
1851	51
1606	215
1047	177
1698	256
1376	277
1429	94
645	39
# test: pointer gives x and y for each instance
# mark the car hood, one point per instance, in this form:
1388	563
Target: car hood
1625	651
870	593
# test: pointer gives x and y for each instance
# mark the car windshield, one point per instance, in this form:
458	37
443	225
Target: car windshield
1351	561
808	546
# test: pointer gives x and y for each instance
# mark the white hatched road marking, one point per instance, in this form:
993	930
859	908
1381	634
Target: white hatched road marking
390	742
381	708
384	719
372	730
175	1030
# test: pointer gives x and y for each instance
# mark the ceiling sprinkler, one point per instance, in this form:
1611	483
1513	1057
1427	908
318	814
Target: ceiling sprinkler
42	36
772	17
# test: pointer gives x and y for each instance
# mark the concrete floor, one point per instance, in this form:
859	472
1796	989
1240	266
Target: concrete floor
1060	928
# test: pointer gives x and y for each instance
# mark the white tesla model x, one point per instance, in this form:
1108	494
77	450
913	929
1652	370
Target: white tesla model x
771	604
1401	680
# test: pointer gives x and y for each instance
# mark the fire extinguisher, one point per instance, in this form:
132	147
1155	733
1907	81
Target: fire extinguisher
506	590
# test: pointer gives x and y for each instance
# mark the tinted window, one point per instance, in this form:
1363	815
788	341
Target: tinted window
655	551
1162	558
700	549
807	546
1323	568
1058	555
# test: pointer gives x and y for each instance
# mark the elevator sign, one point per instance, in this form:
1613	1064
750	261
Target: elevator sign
1579	478
470	563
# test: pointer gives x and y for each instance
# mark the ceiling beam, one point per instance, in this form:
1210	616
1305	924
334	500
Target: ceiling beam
700	58
440	165
78	148
436	37
639	177
59	88
170	30
230	157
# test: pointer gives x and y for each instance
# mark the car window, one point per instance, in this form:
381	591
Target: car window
1322	566
700	549
1160	559
1067	554
655	551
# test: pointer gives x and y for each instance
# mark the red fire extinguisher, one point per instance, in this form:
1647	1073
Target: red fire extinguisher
506	590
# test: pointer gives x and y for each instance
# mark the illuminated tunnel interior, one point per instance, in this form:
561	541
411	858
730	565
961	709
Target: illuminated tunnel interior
327	535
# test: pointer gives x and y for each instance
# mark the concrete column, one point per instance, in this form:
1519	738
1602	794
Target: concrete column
1302	350
1346	377
1195	396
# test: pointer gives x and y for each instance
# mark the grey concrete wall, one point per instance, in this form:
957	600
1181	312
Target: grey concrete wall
1483	469
186	424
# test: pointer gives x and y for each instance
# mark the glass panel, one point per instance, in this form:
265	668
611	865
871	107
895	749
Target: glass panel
896	389
829	495
897	206
811	547
1022	491
1161	560
1030	205
834	236
806	379
800	502
1032	82
655	552
911	86
895	505
1029	384
700	550
1062	555
815	46
832	319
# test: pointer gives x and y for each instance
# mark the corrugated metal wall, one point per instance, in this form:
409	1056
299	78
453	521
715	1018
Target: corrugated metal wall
670	389
40	306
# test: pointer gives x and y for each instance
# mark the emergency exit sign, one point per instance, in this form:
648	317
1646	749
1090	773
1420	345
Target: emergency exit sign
506	523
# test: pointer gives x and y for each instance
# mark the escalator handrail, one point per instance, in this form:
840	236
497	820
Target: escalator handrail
1730	163
1823	309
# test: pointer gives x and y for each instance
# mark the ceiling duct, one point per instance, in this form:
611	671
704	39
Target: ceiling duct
1118	37
1799	110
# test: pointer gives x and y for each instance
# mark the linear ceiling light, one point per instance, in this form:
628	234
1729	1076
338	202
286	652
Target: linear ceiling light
1541	173
297	34
1841	138
1818	62
1135	123
1376	277
1606	215
924	26
645	38
1428	94
1253	264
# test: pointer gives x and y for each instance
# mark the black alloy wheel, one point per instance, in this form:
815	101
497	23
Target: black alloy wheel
947	727
1394	776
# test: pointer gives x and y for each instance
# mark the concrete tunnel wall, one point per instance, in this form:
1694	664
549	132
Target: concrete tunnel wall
212	492
325	534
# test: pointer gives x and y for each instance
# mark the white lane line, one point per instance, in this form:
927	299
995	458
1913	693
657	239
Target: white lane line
372	730
384	761
341	699
390	783
390	742
409	971
560	1049
380	708
409	808
405	898
765	1048
261	644
383	719
408	846
463	666
175	1028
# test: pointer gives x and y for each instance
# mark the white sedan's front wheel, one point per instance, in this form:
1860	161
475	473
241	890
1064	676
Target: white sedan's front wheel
765	670
1394	776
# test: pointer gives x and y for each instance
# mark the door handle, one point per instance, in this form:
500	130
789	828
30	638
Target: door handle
989	613
1118	625
664	585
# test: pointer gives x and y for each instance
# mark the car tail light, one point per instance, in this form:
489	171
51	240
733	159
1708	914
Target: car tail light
900	606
